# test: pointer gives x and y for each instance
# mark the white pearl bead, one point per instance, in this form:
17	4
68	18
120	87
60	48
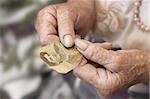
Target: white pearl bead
139	23
136	16
142	26
137	4
136	19
147	28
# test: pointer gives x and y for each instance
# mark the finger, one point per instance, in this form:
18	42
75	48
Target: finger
87	73
83	61
93	52
65	27
44	40
46	25
105	45
99	78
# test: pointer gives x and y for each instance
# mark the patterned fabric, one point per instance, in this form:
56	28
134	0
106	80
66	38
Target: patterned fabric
115	24
4	94
22	73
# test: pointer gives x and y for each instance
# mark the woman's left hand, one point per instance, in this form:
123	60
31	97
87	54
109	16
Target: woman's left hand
114	71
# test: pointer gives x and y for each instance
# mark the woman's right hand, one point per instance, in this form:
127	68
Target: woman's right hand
61	22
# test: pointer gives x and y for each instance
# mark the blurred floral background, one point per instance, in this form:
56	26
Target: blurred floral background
22	74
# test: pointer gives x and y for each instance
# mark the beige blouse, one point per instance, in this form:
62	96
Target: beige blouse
115	23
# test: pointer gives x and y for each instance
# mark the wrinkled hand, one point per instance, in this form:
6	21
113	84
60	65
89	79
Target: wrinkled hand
62	21
121	69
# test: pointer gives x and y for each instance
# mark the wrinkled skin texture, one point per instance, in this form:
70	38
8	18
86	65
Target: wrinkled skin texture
56	21
121	69
62	59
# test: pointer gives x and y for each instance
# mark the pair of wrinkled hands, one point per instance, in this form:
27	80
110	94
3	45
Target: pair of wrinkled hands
106	70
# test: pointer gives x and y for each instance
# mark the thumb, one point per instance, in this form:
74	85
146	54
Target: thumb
86	72
94	52
65	26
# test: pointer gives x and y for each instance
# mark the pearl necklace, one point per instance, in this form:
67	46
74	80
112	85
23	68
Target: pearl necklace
137	18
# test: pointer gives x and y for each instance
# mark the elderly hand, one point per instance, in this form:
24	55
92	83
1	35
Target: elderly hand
62	21
121	69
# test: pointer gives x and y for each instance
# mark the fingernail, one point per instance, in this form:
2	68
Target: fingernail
68	41
81	44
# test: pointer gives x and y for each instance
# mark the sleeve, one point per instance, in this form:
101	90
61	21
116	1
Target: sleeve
110	16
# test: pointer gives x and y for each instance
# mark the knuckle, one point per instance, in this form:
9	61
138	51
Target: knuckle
114	62
107	92
117	62
97	55
46	18
64	14
46	11
40	13
93	53
93	81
